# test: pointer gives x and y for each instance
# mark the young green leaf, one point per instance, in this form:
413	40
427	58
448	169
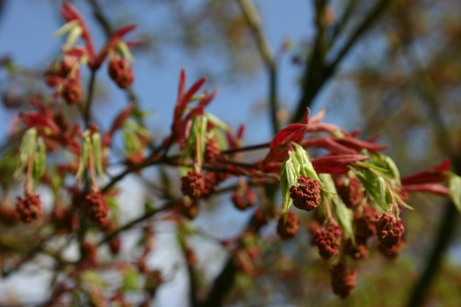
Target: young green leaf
343	214
288	178
97	154
130	280
306	167
373	186
40	159
454	185
84	157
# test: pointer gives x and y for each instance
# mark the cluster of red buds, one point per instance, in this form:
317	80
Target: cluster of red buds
95	207
288	227
29	207
243	197
328	241
389	231
193	184
343	282
120	71
211	150
351	193
306	196
65	75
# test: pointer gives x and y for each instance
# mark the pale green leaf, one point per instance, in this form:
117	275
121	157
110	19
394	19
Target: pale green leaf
454	185
97	154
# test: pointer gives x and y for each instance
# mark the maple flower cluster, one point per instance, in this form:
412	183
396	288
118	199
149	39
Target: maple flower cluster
350	197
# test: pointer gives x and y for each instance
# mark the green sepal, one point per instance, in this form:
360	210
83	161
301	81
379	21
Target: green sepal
130	280
40	159
26	149
84	157
97	154
288	178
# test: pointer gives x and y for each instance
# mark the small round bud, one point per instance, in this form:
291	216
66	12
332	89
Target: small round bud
120	71
289	228
389	230
328	241
95	207
343	282
29	207
193	184
306	196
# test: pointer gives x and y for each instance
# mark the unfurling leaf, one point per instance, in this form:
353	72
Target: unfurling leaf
374	186
288	178
84	157
306	167
343	214
40	159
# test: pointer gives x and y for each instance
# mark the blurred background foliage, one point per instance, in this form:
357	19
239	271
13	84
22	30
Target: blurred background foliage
399	79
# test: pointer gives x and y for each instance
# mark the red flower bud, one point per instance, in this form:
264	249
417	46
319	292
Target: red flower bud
120	71
211	150
351	194
365	224
187	208
114	245
328	241
72	91
389	230
29	207
359	250
343	282
243	198
289	228
193	184
306	196
95	207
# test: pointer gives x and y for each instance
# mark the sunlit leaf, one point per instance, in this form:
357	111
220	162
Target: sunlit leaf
454	184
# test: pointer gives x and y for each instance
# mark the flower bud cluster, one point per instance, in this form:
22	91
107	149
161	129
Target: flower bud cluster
328	241
306	196
193	184
120	71
343	282
289	228
29	207
389	230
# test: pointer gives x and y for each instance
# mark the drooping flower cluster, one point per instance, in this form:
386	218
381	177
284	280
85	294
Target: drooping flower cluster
289	228
328	241
389	230
243	198
120	71
306	196
95	207
211	150
343	282
193	184
29	207
352	193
